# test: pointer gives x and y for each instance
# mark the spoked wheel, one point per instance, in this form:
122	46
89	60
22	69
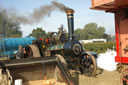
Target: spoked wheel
124	77
88	65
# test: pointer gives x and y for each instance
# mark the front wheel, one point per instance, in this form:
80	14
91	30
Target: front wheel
88	65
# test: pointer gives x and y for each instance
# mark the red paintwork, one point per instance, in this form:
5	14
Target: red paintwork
121	24
109	5
100	2
121	59
117	36
121	36
47	40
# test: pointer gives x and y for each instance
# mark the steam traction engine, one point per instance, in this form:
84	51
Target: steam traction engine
69	50
48	58
120	10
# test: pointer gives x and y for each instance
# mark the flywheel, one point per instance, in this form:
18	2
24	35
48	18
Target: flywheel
32	51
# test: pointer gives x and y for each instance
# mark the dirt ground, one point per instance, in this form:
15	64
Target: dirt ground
102	78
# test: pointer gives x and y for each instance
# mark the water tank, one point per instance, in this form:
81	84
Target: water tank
7	44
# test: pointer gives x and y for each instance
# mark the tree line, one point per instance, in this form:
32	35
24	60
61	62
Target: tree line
8	28
93	31
89	31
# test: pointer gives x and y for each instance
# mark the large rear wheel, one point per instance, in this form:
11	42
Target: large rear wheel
61	58
64	65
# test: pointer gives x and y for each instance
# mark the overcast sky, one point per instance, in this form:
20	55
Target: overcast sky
83	15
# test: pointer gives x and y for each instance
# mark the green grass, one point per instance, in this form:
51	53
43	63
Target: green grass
99	47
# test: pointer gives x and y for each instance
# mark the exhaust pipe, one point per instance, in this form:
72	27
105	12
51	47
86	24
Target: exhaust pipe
70	19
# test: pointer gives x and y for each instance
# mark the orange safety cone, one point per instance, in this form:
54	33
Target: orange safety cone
71	83
46	82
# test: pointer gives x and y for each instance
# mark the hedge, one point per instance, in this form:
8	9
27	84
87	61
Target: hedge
99	47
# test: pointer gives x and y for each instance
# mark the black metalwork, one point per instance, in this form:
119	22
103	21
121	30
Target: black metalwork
70	48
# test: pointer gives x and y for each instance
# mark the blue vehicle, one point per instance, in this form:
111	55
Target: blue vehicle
9	46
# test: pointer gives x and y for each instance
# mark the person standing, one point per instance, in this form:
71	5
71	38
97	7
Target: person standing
20	53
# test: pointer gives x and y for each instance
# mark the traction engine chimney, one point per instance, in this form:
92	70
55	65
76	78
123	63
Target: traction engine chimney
70	19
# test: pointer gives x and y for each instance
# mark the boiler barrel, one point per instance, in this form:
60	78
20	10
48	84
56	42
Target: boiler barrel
13	43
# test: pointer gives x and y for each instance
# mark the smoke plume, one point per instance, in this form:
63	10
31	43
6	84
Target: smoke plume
36	16
60	6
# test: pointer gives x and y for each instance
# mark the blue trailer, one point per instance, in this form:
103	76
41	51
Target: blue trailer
9	46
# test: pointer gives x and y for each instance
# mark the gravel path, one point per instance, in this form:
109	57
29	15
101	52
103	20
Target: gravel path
104	78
